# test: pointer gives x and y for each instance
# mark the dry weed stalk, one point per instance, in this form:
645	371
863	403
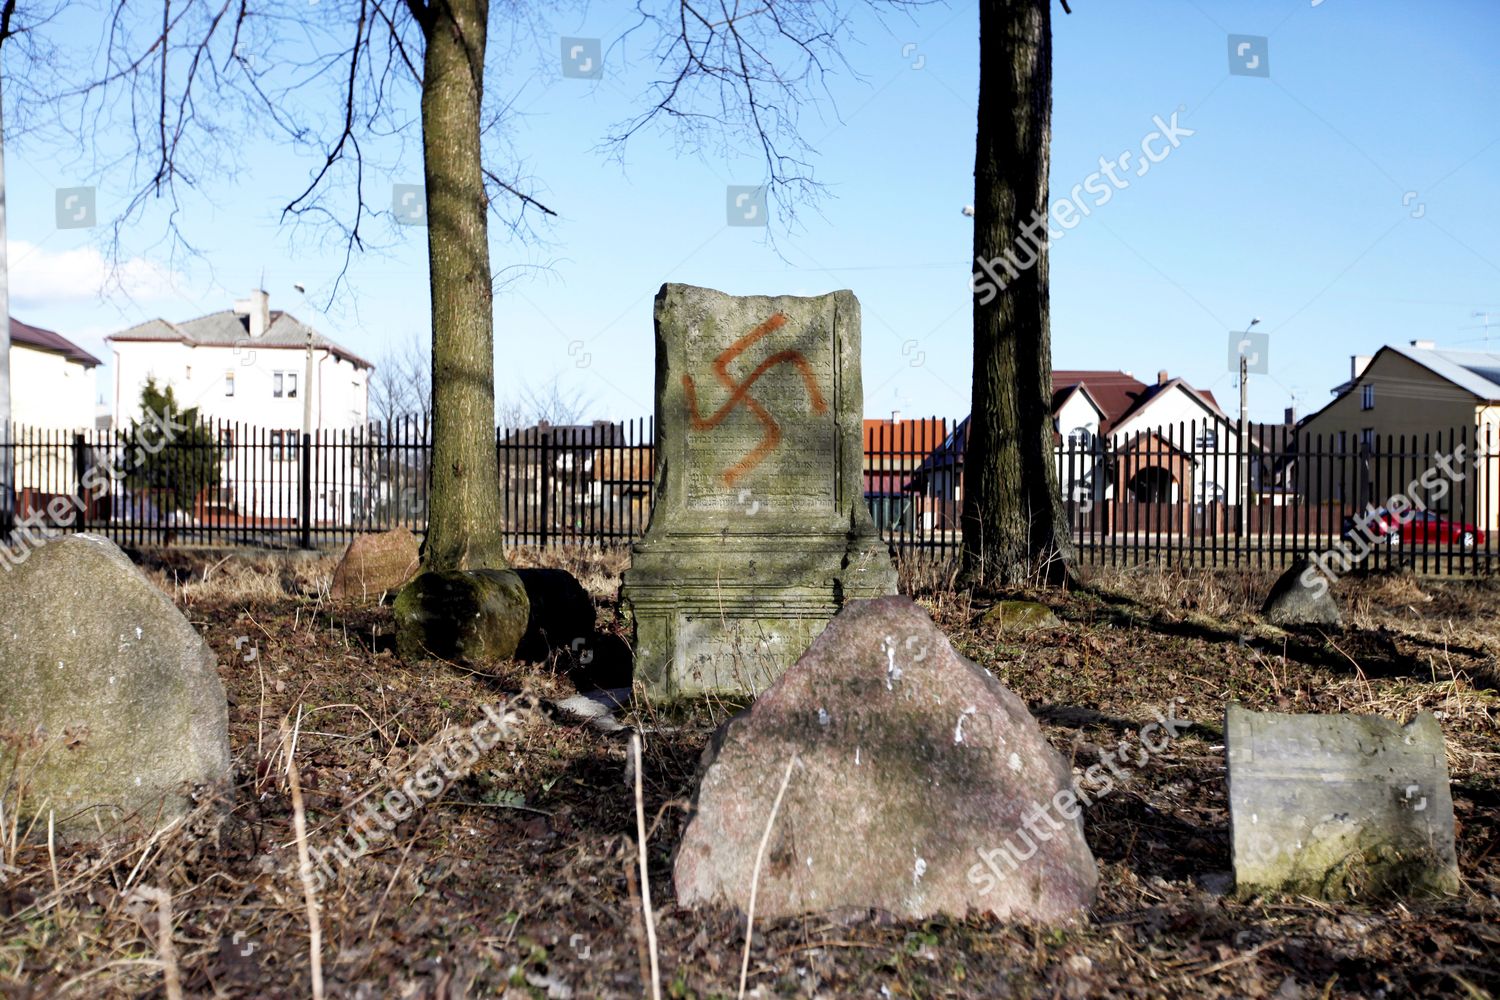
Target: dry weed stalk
166	950
760	856
304	873
640	827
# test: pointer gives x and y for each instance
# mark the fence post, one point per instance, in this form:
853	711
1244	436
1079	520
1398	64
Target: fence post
544	481
305	514
80	466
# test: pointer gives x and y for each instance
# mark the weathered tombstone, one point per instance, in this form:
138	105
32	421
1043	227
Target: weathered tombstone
760	531
921	786
111	698
1339	805
376	564
1301	596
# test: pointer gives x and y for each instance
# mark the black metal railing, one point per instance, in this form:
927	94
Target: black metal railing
1184	494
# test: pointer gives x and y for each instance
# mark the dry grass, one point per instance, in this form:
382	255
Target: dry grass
516	881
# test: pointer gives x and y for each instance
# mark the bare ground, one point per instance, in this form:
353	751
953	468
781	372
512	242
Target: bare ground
517	881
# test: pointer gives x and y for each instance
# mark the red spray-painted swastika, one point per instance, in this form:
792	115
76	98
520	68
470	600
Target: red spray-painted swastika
740	394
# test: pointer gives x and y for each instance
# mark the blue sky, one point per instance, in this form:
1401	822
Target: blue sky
1347	200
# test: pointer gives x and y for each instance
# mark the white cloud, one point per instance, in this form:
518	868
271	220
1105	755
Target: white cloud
40	277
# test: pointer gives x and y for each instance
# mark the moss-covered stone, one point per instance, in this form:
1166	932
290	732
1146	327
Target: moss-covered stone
467	616
1339	806
1020	615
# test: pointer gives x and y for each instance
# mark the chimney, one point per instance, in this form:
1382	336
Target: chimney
1357	365
895	416
257	312
1424	345
1161	377
1290	417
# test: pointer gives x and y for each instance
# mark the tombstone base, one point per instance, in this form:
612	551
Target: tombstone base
711	622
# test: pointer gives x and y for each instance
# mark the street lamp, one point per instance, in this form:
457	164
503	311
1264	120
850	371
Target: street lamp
1244	437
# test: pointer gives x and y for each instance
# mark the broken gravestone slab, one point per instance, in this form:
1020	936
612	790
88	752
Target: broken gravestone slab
760	531
1334	806
921	786
1301	596
112	700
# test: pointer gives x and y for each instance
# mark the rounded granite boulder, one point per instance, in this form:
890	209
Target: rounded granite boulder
112	713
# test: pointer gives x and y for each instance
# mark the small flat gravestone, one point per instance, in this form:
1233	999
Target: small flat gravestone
111	698
920	786
1339	805
760	531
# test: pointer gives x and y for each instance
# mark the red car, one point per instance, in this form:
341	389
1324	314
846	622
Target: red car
1417	527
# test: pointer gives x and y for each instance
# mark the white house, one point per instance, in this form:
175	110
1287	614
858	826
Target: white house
52	380
53	384
249	367
1171	441
246	364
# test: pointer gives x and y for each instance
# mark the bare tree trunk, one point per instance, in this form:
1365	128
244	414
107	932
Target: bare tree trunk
1014	526
464	523
7	455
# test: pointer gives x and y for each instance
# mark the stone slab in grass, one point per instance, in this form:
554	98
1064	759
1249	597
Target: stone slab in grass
377	564
1020	615
922	786
111	697
1335	806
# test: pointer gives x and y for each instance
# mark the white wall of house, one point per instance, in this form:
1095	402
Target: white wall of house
48	390
50	396
261	386
1077	414
1078	423
1180	417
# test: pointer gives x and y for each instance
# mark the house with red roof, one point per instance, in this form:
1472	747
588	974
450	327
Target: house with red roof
1119	439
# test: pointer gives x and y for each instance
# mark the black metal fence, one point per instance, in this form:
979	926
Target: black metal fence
1184	494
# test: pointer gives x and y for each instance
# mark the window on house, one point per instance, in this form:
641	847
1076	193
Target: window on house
226	437
1367	439
1207	438
1080	437
190	373
1367	398
276	385
278	446
291	385
229	383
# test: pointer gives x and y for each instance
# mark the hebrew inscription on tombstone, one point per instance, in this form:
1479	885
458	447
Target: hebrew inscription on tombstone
760	531
1339	805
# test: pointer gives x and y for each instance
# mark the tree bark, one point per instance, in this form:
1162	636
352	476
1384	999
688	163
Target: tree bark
1014	527
464	529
